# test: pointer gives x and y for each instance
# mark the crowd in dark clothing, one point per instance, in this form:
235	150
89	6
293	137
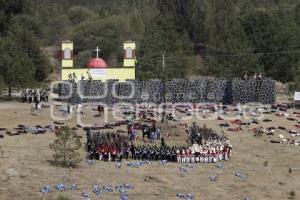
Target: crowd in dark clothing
155	153
35	96
115	147
199	135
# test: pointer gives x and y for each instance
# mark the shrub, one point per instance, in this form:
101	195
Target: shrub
66	147
61	197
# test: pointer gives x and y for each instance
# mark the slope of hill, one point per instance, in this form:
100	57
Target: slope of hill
234	36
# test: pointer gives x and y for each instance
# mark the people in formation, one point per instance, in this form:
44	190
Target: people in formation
155	153
182	154
106	146
210	152
115	147
207	146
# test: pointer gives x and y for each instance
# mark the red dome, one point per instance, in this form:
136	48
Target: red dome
96	63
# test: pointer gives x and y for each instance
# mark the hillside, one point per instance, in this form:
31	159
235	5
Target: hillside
210	38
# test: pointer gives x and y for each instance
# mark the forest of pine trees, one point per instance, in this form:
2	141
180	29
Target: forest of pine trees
198	37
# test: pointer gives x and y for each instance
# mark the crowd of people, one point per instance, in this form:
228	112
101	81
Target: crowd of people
206	147
35	96
199	135
181	154
210	152
106	146
155	153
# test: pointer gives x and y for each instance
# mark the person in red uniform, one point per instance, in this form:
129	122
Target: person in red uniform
113	153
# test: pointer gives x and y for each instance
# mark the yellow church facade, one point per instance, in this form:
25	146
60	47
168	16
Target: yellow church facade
97	69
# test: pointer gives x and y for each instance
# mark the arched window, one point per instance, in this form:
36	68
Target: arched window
67	53
129	53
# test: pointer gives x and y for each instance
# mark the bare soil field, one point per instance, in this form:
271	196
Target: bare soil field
25	165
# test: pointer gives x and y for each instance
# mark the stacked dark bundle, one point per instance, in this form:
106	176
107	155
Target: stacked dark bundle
175	90
153	89
254	90
178	90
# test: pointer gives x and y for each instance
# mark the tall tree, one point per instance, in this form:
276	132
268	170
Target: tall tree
16	67
274	38
166	35
21	61
297	14
227	45
236	35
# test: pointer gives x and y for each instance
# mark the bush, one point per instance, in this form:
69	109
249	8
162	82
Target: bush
61	197
292	194
66	148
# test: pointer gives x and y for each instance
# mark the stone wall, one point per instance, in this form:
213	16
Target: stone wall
225	91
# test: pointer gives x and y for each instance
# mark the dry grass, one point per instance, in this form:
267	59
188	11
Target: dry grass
25	167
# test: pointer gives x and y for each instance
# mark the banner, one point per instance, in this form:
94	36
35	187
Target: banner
98	72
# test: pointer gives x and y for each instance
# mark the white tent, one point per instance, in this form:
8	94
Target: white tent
297	98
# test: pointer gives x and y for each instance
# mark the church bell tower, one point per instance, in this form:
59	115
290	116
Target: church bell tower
129	54
67	54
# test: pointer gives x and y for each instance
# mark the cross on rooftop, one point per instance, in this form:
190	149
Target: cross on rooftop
97	50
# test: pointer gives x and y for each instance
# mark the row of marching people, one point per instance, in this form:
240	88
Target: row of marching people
155	153
115	147
110	152
206	156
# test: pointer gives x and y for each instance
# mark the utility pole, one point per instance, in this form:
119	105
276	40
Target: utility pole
37	8
164	62
164	89
164	78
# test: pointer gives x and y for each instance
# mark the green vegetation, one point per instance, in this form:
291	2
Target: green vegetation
198	37
292	195
61	197
66	148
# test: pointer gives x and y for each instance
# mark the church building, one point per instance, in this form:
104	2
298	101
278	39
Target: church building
96	68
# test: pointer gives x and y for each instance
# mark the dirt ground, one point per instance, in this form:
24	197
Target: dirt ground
25	166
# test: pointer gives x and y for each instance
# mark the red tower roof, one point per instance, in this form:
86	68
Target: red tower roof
97	63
